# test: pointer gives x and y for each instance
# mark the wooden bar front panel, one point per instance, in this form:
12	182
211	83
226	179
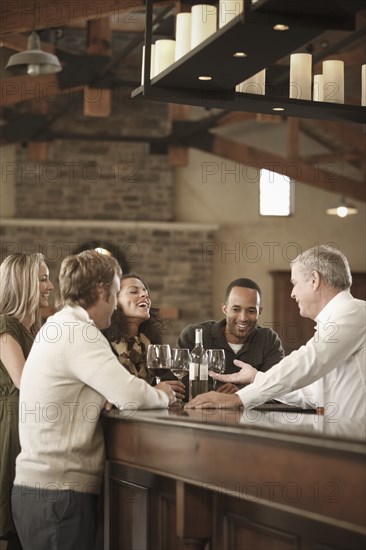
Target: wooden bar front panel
173	485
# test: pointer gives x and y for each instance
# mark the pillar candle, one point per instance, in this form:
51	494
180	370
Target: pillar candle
256	84
333	74
183	34
363	85
164	55
228	10
152	62
318	88
204	23
300	76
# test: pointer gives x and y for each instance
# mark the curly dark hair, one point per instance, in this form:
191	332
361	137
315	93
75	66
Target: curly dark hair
153	328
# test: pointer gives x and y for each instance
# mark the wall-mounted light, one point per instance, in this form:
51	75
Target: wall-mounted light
343	209
33	60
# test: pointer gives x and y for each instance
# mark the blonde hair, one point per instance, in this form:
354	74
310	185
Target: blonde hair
19	287
81	274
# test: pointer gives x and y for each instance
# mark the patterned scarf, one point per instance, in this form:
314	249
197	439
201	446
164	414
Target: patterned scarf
132	355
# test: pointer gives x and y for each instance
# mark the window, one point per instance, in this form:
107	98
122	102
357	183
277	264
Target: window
275	194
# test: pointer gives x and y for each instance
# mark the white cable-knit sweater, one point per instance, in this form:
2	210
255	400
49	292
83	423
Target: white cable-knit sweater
67	378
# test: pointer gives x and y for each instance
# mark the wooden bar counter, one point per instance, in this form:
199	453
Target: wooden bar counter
234	480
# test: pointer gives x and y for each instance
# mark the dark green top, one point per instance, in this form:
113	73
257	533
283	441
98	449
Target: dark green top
9	437
262	349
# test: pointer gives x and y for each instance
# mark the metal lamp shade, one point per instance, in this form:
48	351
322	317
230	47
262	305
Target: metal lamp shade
47	63
343	209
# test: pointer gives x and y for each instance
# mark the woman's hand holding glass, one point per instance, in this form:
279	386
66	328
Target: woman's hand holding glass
180	362
180	369
158	360
216	362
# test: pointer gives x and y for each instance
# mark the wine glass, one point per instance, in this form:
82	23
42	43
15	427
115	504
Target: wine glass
180	362
216	362
158	360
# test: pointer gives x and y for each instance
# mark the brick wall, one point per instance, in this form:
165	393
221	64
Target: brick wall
104	183
95	180
168	255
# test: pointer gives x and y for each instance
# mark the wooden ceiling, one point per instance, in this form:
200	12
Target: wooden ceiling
26	116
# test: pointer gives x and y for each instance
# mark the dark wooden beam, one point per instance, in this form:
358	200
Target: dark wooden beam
97	101
18	43
27	15
350	136
293	138
297	169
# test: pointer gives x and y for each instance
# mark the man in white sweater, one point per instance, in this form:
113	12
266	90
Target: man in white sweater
68	377
330	370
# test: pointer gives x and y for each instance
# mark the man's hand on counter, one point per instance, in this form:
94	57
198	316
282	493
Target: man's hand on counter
214	400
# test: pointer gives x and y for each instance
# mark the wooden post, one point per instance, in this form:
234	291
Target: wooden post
292	138
97	101
37	151
178	156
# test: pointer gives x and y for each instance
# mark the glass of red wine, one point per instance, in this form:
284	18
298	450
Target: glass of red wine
158	360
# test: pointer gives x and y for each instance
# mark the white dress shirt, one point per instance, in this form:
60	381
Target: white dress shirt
330	369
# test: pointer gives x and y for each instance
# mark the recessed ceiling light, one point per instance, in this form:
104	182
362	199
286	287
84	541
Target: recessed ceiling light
239	54
205	78
281	27
278	109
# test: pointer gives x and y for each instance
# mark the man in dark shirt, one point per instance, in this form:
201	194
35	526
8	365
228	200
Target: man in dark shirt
238	333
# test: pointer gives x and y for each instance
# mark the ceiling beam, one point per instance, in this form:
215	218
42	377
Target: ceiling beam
15	89
19	43
350	137
98	101
333	156
356	56
297	169
37	151
292	137
128	20
235	117
41	14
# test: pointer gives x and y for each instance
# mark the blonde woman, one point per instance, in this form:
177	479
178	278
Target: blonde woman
24	288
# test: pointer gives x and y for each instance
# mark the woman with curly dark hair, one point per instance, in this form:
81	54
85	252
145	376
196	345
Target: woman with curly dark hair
135	325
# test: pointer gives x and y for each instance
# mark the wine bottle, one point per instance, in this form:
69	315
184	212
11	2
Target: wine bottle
198	369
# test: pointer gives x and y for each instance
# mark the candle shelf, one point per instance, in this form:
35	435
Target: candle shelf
252	33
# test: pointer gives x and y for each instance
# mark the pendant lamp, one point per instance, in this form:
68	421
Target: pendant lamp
33	60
